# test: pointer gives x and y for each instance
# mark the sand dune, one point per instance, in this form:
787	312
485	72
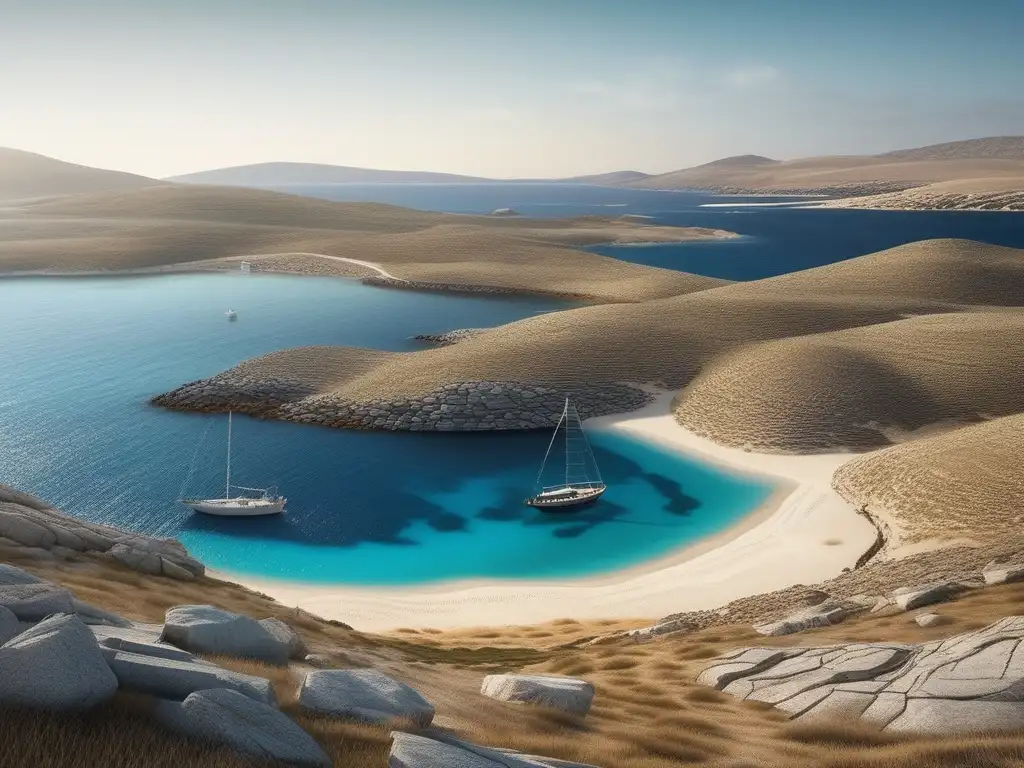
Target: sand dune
964	483
28	175
863	387
181	225
1002	147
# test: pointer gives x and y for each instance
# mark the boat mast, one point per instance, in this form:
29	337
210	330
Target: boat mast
540	475
566	416
227	490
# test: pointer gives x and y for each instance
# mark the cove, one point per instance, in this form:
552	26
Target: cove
80	357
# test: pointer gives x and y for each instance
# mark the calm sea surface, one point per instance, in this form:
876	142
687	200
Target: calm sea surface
80	357
776	240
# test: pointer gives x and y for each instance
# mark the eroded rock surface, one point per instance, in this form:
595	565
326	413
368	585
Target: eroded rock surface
364	694
970	682
31	522
821	615
205	629
227	717
566	693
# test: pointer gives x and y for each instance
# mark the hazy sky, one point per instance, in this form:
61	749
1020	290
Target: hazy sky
501	87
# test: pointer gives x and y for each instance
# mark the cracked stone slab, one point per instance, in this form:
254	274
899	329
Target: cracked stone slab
968	683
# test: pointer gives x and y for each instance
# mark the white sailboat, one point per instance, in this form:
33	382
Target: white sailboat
266	503
231	314
583	484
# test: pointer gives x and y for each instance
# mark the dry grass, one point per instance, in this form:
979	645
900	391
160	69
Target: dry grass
647	714
965	483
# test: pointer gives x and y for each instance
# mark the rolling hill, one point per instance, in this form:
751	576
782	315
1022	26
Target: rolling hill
993	159
28	175
286	174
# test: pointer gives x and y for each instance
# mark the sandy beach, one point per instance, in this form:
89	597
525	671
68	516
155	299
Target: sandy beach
805	533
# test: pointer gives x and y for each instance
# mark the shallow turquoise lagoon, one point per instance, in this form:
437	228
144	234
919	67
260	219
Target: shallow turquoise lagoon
79	359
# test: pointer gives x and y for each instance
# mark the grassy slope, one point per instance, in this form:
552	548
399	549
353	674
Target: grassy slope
27	175
647	714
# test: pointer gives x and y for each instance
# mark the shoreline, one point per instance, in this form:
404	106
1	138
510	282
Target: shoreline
803	533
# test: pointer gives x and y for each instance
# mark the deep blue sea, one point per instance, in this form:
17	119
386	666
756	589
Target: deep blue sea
80	357
776	239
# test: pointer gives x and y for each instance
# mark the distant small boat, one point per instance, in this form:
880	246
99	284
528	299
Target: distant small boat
231	314
266	503
583	484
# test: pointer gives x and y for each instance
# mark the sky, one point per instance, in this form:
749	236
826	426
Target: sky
502	88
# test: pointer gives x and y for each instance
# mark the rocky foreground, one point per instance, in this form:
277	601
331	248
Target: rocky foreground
467	407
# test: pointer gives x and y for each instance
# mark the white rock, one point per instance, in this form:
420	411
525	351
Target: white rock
34	602
205	629
287	635
318	660
1003	573
442	751
364	694
227	717
821	615
909	598
9	625
566	693
927	619
55	665
174	679
169	568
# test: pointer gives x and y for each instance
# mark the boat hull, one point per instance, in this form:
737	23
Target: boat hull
236	507
565	503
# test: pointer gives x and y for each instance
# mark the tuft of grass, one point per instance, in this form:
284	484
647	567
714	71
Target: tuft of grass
836	734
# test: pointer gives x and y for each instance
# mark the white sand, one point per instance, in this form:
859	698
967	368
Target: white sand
805	534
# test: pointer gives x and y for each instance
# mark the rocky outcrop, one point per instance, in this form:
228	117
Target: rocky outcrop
286	636
927	619
1003	573
174	679
31	522
226	717
467	407
450	337
909	598
365	695
34	602
568	694
438	287
205	629
442	751
970	682
55	665
822	615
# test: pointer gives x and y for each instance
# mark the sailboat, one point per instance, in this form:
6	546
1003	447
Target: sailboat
583	484
231	314
266	503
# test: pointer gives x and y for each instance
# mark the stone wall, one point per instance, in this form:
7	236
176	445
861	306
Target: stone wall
420	285
464	407
450	337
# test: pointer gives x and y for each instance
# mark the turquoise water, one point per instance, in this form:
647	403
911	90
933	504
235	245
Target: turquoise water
79	359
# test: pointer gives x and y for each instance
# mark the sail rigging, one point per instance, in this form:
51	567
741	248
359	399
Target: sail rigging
580	471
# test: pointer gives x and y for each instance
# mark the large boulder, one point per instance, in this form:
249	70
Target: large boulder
137	632
205	629
442	751
177	679
9	625
566	693
227	717
967	683
285	634
364	694
55	665
821	615
34	602
909	598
